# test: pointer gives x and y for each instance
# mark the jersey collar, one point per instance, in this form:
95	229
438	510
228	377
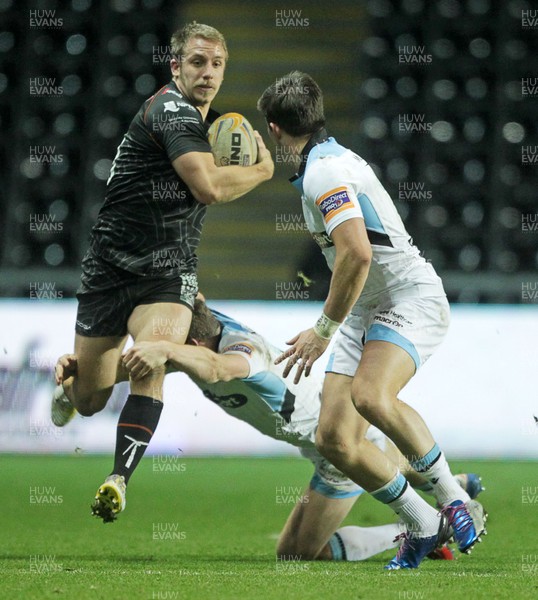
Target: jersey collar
211	114
318	137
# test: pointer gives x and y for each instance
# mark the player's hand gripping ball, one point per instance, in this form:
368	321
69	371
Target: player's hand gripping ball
232	141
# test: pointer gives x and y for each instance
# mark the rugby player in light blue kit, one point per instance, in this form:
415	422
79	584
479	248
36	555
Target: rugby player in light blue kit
234	367
393	313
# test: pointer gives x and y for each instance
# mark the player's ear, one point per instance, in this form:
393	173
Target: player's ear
274	131
193	342
175	65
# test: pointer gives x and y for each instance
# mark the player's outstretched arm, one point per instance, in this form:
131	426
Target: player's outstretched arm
216	185
351	266
196	361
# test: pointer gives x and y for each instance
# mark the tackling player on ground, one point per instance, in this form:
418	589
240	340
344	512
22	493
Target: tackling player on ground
234	368
139	274
394	313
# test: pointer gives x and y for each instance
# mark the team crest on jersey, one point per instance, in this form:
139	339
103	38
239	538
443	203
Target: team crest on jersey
334	202
238	348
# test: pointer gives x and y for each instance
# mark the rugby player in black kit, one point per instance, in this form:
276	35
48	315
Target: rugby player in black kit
139	274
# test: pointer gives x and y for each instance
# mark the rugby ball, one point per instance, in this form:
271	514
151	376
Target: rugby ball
232	141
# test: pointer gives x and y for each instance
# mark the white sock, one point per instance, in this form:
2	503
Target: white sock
445	486
420	518
360	543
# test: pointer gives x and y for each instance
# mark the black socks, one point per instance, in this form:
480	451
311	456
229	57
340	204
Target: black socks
136	425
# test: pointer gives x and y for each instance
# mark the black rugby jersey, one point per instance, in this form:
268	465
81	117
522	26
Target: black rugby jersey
150	223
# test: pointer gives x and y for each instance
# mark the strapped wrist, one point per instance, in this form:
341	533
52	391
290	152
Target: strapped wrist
325	328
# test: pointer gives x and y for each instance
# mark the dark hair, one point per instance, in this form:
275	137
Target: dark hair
204	324
182	36
295	103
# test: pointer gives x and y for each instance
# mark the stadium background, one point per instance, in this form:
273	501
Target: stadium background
439	96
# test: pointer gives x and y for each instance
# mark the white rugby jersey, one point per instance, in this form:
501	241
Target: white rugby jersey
336	185
271	404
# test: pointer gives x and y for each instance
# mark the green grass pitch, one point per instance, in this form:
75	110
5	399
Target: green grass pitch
206	529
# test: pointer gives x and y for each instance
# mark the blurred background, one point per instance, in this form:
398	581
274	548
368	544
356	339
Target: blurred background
440	96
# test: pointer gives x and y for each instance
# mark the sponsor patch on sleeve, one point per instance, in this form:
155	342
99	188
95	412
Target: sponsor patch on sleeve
245	348
334	202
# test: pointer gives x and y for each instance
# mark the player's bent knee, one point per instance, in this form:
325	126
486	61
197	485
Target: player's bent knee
92	404
88	410
376	406
333	443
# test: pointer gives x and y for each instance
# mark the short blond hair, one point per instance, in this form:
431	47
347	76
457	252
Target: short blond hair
181	37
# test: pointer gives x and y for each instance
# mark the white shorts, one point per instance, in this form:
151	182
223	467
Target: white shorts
328	480
418	325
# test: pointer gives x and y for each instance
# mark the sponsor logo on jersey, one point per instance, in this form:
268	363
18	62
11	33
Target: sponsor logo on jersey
392	317
171	106
334	202
174	106
239	348
380	318
323	240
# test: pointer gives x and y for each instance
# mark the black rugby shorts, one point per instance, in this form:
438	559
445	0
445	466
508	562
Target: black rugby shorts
105	312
